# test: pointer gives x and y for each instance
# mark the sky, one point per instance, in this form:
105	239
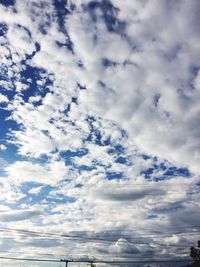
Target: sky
99	131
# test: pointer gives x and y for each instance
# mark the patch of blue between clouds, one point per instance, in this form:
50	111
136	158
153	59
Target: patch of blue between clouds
34	198
114	175
60	199
152	216
81	87
29	76
79	185
108	63
35	74
194	72
121	157
37	49
10	154
171	208
68	155
86	167
165	171
96	137
36	6
3	28
62	8
156	100
43	195
109	15
7	2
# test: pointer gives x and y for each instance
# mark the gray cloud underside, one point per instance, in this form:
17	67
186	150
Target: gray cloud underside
129	195
19	215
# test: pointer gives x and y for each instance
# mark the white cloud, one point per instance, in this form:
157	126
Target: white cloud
2	147
196	81
35	143
123	246
7	85
152	97
10	194
35	190
20	40
19	215
3	98
25	171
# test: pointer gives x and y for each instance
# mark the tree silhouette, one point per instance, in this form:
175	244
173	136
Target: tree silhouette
195	252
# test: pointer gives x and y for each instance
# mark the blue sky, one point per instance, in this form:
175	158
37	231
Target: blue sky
99	110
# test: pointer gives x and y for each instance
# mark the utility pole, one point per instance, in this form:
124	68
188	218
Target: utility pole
66	262
91	264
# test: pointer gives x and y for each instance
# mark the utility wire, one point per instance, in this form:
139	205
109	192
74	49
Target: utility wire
85	238
135	240
151	244
98	261
95	261
123	255
28	259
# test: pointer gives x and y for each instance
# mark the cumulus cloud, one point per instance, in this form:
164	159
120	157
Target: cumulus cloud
123	246
24	171
3	98
35	190
154	67
9	193
2	147
19	215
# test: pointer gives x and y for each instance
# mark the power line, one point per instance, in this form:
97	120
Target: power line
132	261
37	233
123	255
92	239
136	242
150	244
28	259
96	261
78	236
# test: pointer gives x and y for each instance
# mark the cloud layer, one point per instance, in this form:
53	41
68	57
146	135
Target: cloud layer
100	126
